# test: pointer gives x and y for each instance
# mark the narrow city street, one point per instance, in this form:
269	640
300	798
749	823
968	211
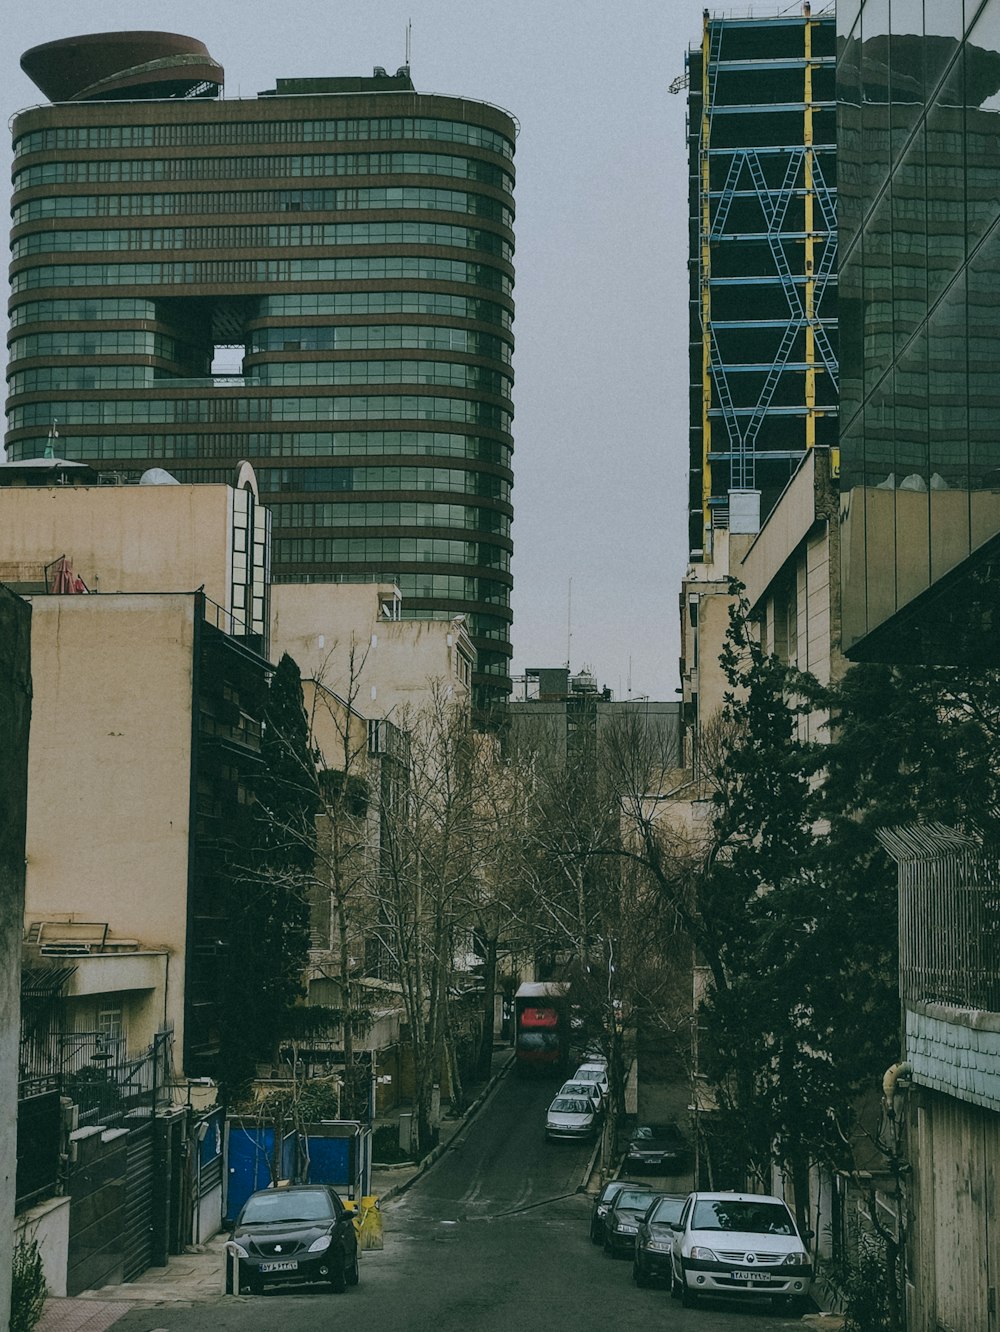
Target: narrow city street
492	1239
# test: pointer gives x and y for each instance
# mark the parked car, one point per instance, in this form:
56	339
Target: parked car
655	1239
588	1089
656	1147
294	1234
740	1246
571	1117
602	1205
596	1074
621	1225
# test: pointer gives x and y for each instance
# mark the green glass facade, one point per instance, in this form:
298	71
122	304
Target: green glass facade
919	218
373	305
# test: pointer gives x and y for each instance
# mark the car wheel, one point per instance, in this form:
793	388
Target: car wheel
688	1298
354	1272
338	1274
595	1235
608	1250
638	1275
675	1287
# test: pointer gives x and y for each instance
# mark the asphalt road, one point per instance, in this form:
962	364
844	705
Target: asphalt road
493	1238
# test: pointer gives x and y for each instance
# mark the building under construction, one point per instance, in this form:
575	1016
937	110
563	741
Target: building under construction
762	191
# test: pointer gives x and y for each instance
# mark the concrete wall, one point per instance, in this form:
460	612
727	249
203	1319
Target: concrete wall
110	769
792	578
121	538
15	714
339	635
48	1225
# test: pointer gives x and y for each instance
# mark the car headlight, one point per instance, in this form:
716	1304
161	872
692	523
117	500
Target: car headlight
797	1259
602	1209
549	1124
236	1250
706	1255
660	1246
320	1245
624	1228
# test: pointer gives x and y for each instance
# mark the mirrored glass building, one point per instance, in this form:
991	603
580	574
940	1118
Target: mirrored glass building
919	215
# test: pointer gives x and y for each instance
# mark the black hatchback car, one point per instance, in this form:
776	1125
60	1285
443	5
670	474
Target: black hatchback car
602	1205
621	1225
296	1234
655	1240
658	1147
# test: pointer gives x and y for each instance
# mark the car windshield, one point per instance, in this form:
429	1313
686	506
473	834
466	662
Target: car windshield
286	1205
589	1075
537	1040
611	1190
634	1198
577	1089
642	1133
570	1105
754	1218
667	1210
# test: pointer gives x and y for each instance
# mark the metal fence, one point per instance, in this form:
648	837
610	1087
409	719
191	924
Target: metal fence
103	1079
39	1140
949	918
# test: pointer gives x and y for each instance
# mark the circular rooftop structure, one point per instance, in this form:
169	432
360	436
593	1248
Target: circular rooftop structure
113	66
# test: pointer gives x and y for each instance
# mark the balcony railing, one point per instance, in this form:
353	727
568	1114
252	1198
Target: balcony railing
949	918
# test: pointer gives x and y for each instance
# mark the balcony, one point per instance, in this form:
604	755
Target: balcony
949	960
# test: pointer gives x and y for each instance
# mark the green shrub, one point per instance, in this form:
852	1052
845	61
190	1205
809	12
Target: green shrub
27	1295
866	1297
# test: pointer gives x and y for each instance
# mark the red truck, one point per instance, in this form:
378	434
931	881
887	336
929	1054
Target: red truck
542	1026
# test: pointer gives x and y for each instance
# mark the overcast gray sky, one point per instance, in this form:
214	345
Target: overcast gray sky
600	397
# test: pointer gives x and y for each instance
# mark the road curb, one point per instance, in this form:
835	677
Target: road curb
435	1155
584	1183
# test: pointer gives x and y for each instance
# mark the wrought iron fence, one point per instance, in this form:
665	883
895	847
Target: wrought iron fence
949	918
106	1082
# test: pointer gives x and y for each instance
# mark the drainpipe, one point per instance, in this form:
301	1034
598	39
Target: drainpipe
889	1080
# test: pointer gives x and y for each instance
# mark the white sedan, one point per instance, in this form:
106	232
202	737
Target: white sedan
571	1117
596	1074
588	1089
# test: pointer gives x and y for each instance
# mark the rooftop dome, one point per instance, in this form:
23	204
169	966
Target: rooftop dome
119	66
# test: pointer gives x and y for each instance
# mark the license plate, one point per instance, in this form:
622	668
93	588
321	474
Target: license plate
751	1276
286	1265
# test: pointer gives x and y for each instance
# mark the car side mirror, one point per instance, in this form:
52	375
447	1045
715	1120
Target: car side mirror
808	1234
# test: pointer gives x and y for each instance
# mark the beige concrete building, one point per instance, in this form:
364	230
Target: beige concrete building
791	573
15	715
354	640
147	703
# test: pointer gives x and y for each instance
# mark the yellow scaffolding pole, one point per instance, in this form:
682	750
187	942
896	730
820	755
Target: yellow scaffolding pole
810	251
705	259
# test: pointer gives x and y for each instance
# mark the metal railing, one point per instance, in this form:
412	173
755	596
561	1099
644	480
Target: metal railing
949	918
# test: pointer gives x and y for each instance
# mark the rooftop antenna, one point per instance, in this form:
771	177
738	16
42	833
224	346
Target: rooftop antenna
569	624
409	31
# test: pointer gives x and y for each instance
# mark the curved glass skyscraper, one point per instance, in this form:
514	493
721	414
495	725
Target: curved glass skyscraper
353	237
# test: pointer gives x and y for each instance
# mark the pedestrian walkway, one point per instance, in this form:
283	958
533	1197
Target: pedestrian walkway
197	1276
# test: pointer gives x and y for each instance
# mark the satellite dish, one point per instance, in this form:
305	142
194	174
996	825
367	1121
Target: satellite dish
157	476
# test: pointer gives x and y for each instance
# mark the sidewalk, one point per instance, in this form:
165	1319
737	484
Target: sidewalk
197	1276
